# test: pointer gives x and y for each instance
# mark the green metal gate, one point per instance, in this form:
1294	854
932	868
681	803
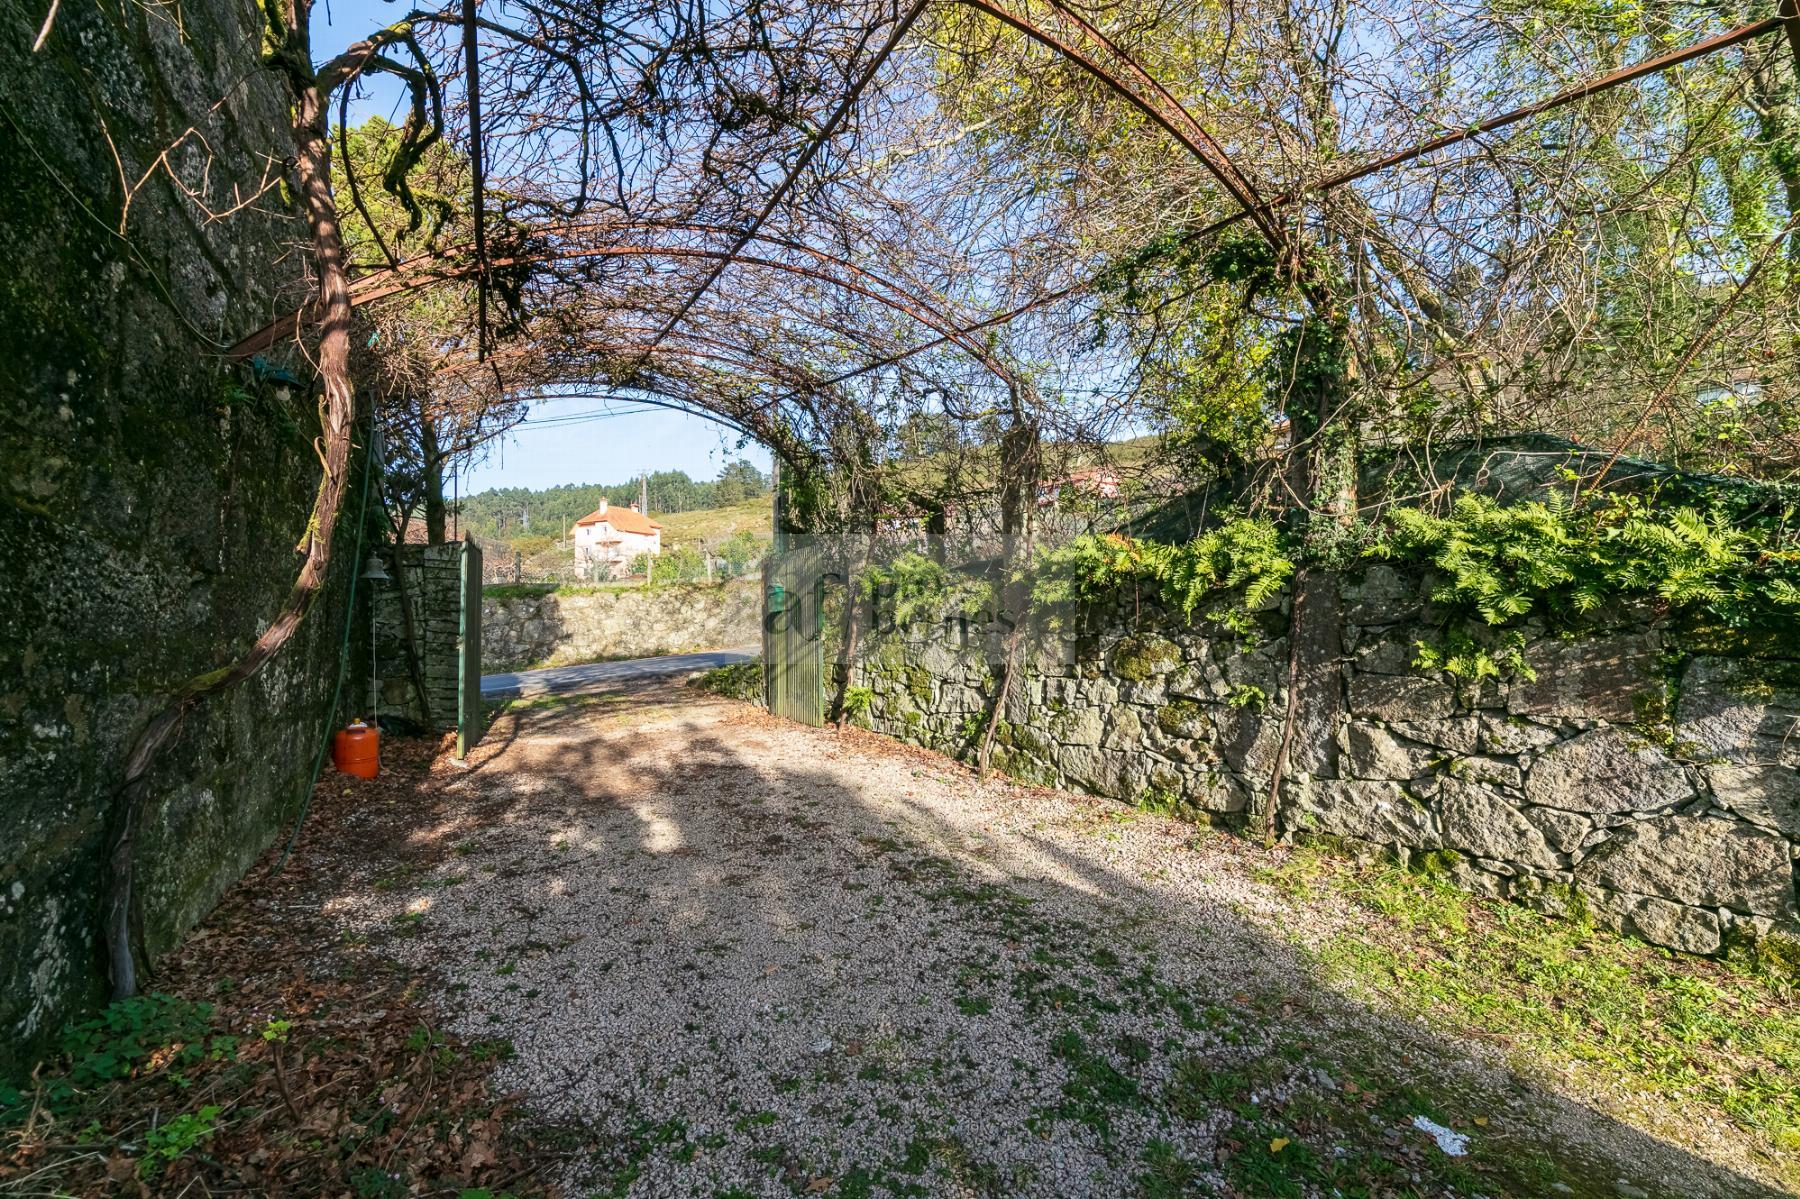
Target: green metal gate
470	720
793	632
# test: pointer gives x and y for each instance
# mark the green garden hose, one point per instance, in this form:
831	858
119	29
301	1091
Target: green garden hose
337	690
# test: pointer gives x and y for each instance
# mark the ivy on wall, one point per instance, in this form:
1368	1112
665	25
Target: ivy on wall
1491	565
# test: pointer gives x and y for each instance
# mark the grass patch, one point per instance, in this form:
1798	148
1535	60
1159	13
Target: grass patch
543	703
1095	1087
510	591
1688	1030
739	680
714	525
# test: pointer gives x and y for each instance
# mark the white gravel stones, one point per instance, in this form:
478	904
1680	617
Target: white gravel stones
753	956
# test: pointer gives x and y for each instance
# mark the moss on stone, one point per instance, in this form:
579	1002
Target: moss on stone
918	684
1772	955
1143	656
1177	715
1438	863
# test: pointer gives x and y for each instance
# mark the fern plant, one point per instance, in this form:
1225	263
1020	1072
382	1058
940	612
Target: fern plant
1463	658
1505	562
1245	557
921	589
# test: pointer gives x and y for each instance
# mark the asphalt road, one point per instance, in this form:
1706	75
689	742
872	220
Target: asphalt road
603	676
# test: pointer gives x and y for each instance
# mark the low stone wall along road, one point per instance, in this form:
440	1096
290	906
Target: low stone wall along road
740	957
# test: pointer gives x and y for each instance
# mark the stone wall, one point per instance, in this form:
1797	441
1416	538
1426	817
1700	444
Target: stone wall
152	496
552	626
1647	786
430	577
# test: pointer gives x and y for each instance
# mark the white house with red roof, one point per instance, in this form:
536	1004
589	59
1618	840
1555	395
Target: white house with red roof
608	540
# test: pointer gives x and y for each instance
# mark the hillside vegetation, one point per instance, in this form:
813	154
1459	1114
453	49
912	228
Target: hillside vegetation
712	526
735	536
512	514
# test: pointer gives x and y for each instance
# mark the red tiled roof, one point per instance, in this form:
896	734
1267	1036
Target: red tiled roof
623	520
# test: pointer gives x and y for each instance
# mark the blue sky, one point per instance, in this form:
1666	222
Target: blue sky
564	450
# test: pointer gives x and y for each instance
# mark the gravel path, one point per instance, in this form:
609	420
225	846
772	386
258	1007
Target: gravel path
751	958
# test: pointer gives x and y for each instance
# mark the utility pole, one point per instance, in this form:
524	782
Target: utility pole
644	508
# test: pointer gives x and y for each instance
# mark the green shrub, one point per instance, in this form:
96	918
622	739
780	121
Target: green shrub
177	1135
1504	562
112	1044
1248	556
120	1041
740	680
858	701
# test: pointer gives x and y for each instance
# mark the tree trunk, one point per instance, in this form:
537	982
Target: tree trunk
1324	478
937	531
312	170
431	454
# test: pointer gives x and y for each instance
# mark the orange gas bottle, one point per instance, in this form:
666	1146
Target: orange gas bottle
357	750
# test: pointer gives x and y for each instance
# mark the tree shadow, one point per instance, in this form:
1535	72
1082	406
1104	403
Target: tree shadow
756	955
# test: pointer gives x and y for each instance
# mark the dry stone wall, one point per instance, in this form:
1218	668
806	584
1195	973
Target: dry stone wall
1632	780
526	626
421	645
153	495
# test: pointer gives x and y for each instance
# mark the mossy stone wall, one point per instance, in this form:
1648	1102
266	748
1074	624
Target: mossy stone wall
153	493
523	627
1626	775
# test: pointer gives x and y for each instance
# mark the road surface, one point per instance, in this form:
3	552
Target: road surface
604	676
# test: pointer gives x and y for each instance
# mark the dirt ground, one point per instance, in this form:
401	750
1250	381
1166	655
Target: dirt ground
751	958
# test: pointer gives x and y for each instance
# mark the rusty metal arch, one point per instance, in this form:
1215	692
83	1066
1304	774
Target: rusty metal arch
452	264
648	392
1788	20
1195	138
716	350
655	399
1181	124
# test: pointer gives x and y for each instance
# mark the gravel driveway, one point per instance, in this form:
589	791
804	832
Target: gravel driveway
750	958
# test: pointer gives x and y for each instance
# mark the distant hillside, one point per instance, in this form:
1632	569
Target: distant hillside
713	526
510	514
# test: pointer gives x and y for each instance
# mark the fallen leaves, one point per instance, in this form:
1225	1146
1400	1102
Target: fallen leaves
327	1074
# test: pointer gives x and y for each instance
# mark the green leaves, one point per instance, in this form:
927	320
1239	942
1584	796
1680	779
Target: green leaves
1462	657
919	588
174	1138
1504	562
858	701
113	1043
1247	555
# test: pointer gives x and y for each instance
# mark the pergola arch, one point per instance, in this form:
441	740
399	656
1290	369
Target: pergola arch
1085	49
417	274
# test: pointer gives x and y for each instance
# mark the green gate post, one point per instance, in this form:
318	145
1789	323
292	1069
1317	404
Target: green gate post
468	653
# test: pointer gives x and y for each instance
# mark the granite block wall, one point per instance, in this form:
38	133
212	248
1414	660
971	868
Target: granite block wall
153	494
1622	775
527	626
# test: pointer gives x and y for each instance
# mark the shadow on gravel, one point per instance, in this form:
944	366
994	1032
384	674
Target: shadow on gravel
760	960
